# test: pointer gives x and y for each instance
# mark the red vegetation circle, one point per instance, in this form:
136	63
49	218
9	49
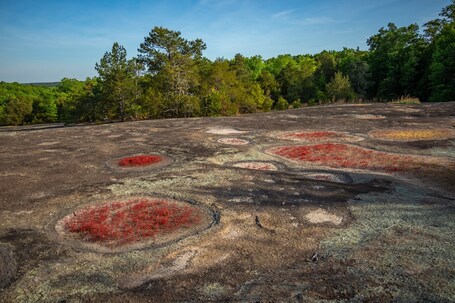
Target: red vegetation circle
135	220
346	156
140	160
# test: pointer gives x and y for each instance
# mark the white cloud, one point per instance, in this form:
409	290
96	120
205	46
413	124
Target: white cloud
282	14
290	16
315	21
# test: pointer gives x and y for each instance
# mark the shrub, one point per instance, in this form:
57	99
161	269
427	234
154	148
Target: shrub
296	104
311	102
406	100
281	104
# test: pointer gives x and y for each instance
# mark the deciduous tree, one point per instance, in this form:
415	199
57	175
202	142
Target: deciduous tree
394	61
339	88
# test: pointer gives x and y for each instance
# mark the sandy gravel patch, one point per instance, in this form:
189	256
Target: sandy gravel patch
224	131
322	216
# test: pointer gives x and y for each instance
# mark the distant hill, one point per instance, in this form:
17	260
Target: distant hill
46	84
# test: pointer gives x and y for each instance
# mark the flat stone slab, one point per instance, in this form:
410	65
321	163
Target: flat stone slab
343	202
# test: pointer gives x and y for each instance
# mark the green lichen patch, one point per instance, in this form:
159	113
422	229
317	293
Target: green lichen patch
401	240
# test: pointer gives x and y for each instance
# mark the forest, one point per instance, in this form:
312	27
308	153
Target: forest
170	78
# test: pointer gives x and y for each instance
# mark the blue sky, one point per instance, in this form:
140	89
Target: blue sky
46	40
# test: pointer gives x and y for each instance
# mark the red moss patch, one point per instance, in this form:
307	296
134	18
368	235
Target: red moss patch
139	161
139	219
318	136
347	156
233	141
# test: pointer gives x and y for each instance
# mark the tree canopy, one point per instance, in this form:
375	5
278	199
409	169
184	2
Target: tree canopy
171	78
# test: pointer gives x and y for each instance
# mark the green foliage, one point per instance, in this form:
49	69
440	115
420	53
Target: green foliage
173	63
255	65
339	88
220	90
22	104
281	104
269	85
163	47
277	64
14	111
296	104
394	58
326	68
442	68
69	90
261	101
88	106
297	79
239	64
211	104
354	64
44	109
407	100
448	13
181	106
116	76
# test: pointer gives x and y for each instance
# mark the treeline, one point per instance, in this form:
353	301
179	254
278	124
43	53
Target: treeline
171	78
